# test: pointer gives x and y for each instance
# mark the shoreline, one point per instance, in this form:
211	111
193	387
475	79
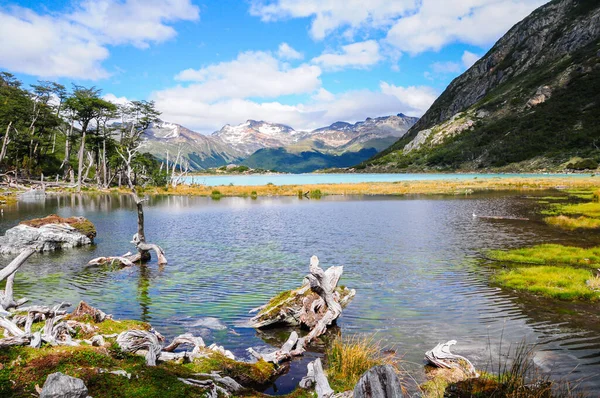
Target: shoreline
421	187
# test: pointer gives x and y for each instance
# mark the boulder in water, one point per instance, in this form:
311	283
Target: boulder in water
48	234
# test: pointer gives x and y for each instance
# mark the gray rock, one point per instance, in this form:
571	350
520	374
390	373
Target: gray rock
379	382
59	385
48	237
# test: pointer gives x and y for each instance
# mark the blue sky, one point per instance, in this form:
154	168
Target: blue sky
208	63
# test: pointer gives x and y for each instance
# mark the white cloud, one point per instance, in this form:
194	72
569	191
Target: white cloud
323	95
47	46
355	55
251	74
417	98
285	51
478	22
413	26
75	45
468	59
206	113
115	100
333	14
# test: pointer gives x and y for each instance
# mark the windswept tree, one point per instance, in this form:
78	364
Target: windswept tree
86	107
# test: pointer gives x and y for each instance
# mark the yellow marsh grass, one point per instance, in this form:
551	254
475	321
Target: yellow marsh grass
348	358
571	223
446	187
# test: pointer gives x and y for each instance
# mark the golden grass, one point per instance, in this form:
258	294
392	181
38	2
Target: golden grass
572	223
429	187
348	358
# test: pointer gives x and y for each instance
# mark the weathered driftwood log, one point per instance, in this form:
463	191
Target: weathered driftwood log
137	340
379	382
281	355
441	357
316	305
212	388
15	340
187	338
303	306
115	260
6	297
227	382
315	377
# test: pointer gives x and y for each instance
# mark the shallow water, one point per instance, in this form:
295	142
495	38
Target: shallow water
315	178
415	263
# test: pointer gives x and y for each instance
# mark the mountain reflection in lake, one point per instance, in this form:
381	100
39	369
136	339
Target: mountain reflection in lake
413	261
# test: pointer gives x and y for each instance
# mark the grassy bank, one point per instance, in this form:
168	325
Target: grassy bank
433	187
550	270
24	368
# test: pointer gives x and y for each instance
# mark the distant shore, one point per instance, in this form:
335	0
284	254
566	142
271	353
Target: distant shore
421	187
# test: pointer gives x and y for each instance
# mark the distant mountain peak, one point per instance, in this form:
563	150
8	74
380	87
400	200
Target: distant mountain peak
234	143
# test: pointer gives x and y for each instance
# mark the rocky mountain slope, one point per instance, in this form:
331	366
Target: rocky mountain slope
274	146
532	101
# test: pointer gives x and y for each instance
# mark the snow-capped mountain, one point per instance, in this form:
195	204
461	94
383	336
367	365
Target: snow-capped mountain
199	150
253	135
234	144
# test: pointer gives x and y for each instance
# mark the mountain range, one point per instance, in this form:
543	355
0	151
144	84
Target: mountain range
273	146
532	102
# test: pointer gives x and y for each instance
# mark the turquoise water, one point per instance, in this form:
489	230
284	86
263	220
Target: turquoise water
312	178
413	261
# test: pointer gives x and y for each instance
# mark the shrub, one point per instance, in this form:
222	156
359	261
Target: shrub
581	164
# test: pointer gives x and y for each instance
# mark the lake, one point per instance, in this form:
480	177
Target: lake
316	178
414	262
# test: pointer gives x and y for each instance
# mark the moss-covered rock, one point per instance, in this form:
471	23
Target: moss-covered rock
81	224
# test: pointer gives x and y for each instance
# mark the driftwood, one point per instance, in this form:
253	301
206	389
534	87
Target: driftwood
315	377
316	305
54	331
187	338
213	389
136	340
441	357
281	355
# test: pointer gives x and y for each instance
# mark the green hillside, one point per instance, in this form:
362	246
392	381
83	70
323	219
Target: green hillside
529	103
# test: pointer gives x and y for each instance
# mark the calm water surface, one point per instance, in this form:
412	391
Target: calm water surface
415	263
313	178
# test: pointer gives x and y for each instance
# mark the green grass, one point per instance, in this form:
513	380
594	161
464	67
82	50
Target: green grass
563	283
590	209
549	254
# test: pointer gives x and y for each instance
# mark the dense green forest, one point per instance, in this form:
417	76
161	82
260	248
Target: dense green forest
73	135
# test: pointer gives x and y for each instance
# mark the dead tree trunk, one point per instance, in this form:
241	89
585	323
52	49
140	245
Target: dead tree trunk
5	142
139	239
